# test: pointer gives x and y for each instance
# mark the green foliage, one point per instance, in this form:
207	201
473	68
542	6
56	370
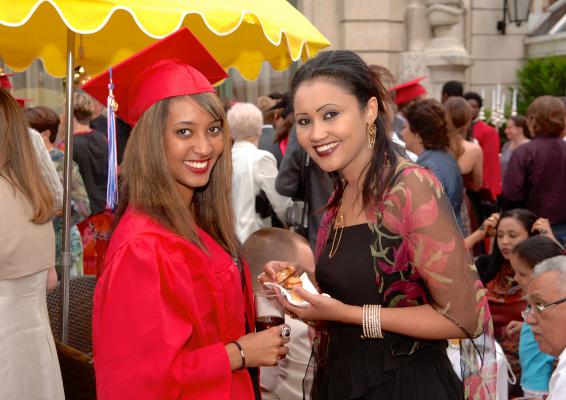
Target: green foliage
539	77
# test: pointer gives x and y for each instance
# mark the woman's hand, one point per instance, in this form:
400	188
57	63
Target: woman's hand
322	308
513	329
490	224
260	348
542	226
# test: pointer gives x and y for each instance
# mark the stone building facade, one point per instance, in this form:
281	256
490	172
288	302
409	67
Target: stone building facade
440	39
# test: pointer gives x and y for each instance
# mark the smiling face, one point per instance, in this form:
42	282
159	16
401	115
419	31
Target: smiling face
193	142
331	126
549	325
510	232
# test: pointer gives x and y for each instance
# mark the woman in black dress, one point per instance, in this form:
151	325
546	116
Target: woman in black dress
389	253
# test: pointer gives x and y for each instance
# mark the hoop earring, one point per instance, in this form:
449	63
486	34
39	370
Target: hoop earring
371	131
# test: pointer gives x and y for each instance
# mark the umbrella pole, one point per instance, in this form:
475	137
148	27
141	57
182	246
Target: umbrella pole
66	251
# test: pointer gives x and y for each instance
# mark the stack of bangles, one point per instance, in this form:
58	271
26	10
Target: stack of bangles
371	321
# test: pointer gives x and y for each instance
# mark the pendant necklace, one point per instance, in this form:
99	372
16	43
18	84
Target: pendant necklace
338	226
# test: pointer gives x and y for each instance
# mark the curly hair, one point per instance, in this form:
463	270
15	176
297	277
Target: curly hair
428	119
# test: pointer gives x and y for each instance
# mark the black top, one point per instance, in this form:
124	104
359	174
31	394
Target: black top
90	152
358	368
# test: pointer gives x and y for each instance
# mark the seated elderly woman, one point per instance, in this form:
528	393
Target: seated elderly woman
253	170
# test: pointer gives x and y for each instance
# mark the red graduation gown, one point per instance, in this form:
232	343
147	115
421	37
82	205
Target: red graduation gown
488	139
163	312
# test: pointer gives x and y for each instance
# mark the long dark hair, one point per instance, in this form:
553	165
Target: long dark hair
347	69
489	265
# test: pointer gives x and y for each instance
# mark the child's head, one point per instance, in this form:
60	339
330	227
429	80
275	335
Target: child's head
278	244
529	253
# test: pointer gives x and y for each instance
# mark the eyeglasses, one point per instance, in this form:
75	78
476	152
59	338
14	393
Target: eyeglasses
539	308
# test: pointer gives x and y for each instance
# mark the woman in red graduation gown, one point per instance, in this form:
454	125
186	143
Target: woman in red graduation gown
173	305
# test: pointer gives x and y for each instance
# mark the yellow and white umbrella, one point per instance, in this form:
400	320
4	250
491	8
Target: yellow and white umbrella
96	34
241	34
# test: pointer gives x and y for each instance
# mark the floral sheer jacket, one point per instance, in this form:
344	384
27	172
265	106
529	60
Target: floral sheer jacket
419	258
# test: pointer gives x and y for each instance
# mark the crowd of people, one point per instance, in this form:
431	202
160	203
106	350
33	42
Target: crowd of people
408	213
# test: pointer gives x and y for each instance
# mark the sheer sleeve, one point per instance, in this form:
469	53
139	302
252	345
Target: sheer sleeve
419	210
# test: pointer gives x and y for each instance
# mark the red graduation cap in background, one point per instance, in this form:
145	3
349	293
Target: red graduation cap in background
5	80
22	102
408	91
176	65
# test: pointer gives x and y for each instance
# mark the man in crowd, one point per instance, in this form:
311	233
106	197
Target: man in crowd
451	89
546	313
488	139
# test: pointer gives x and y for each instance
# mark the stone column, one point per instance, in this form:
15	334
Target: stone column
446	56
412	62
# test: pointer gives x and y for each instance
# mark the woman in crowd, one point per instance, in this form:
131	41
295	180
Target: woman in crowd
90	152
426	134
537	170
46	122
389	253
173	311
29	368
506	299
536	366
468	155
517	132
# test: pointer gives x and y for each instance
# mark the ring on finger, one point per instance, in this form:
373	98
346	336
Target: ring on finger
285	332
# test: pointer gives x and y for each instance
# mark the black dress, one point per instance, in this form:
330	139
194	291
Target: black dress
396	367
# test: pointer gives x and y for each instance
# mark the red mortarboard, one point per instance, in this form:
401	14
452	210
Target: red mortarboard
407	91
176	65
5	80
22	102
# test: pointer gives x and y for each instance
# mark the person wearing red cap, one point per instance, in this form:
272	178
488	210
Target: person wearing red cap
173	307
5	80
404	95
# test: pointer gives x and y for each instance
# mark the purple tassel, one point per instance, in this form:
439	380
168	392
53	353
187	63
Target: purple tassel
112	183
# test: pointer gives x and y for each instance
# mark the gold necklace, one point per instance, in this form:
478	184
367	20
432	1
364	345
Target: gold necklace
338	226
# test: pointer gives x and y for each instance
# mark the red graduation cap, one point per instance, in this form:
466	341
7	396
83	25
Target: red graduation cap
22	102
176	65
408	91
5	80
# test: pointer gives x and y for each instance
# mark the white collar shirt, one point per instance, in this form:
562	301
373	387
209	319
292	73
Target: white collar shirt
557	385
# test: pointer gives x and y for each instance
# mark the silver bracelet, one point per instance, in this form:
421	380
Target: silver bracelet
371	321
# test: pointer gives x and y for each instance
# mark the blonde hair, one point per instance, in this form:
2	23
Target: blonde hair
84	107
147	183
18	160
245	120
